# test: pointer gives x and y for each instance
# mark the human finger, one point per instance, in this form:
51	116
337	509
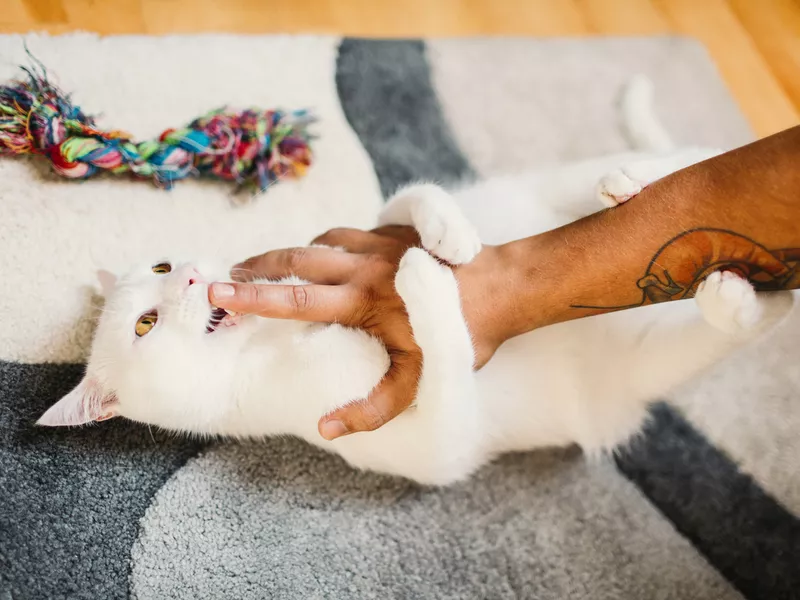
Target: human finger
394	394
316	303
319	265
401	233
353	240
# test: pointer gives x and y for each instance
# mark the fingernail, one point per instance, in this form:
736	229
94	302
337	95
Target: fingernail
222	290
236	271
331	430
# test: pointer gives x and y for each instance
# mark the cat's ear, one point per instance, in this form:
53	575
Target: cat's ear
107	282
86	403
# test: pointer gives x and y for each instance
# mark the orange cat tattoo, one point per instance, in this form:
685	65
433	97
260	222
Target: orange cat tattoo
681	265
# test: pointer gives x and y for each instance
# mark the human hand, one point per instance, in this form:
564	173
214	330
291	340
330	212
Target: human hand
355	288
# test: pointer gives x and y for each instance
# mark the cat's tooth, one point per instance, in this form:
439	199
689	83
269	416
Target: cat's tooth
230	312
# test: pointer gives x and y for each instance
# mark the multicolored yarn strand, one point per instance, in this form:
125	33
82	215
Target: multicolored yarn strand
254	148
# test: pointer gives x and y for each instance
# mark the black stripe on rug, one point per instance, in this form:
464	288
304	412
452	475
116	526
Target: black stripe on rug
386	92
745	533
71	499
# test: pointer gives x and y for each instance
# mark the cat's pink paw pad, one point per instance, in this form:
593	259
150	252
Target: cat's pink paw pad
617	188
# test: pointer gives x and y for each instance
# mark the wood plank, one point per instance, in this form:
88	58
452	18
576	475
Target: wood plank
45	11
747	74
15	11
236	16
624	17
526	18
411	18
106	17
51	28
775	29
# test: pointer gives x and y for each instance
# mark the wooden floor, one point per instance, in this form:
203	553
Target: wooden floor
755	43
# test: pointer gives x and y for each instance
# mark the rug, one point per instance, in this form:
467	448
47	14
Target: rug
704	505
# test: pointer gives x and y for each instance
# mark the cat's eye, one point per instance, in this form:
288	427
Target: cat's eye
162	268
146	322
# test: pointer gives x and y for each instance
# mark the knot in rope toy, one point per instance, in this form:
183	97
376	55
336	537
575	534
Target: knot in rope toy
253	148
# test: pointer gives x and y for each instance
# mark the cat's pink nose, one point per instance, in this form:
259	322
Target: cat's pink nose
194	276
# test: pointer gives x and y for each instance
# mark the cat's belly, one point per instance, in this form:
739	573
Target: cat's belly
527	396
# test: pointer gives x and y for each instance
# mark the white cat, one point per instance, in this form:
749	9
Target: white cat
162	355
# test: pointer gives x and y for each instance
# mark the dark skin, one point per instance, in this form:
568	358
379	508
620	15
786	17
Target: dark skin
739	211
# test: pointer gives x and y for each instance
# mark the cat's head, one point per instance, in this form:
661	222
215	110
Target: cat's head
161	354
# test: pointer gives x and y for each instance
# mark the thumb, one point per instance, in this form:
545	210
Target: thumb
394	394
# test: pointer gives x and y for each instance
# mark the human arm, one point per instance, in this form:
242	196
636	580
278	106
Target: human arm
738	211
743	208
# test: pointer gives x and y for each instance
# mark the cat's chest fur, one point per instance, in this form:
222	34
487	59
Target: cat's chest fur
291	373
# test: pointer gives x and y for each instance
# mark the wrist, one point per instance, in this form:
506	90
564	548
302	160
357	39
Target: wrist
499	298
533	293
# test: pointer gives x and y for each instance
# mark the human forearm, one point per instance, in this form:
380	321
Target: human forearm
739	211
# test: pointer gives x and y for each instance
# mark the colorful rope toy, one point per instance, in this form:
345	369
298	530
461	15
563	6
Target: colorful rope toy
254	148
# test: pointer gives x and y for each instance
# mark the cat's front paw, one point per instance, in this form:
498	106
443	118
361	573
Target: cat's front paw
420	280
728	302
617	187
443	229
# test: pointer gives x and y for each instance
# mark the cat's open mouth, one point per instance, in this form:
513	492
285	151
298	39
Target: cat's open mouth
220	318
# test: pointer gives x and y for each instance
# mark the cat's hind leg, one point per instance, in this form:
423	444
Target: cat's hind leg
430	294
443	228
443	424
622	184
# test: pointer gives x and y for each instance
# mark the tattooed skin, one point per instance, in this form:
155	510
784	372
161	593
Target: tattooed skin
680	265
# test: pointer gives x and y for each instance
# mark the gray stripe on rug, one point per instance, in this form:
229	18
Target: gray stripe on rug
407	137
71	499
280	519
751	538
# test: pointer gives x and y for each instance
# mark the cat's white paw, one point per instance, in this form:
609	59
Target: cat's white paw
421	281
430	294
617	187
443	229
728	302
